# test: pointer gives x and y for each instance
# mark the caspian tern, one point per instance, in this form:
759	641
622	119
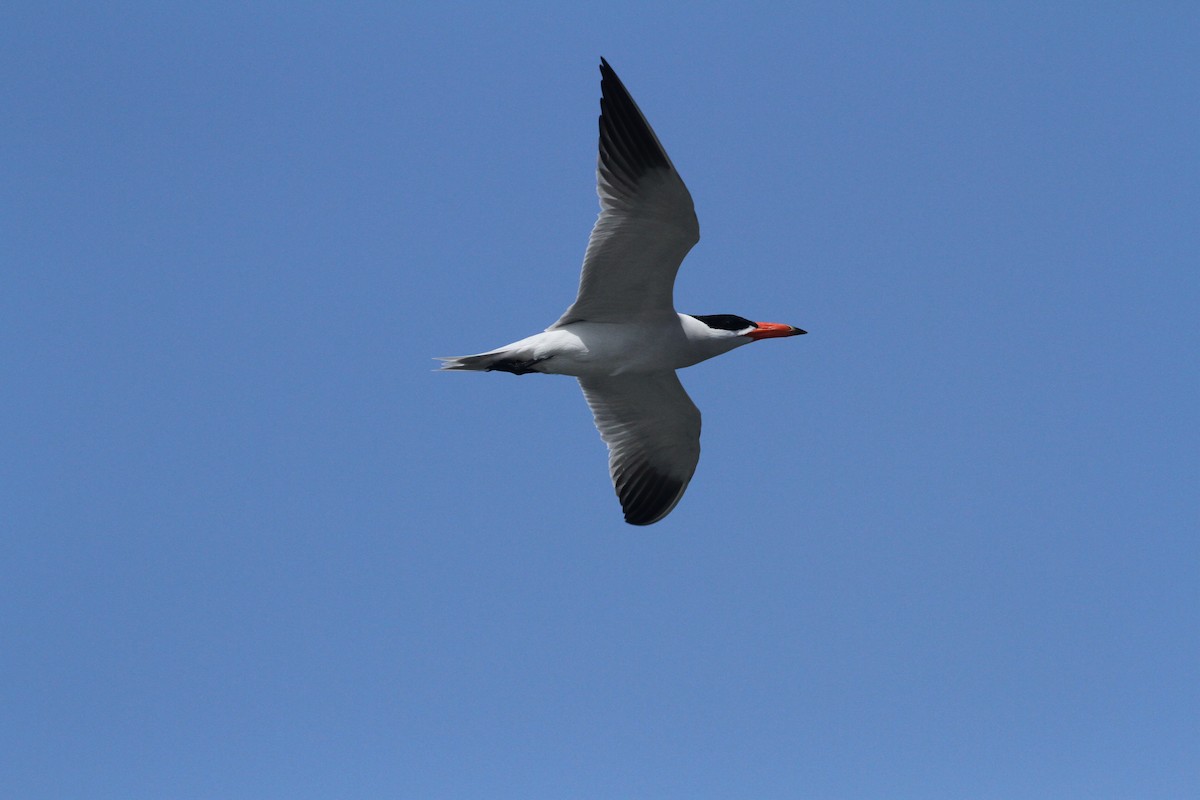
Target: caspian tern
622	337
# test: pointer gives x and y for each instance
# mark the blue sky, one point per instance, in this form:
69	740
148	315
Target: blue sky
944	546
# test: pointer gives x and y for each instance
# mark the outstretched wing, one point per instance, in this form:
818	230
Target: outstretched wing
647	222
652	429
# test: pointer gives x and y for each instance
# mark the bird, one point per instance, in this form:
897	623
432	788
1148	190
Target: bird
622	338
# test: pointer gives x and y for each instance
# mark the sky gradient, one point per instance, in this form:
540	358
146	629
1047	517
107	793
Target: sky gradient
944	546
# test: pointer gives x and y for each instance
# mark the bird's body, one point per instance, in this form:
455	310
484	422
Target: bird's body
606	349
622	337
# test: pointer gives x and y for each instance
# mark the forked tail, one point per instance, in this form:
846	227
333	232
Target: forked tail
480	363
498	360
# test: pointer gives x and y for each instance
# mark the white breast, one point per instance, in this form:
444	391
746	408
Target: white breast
599	349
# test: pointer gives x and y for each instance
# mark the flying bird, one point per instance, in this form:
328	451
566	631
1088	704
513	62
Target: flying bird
622	337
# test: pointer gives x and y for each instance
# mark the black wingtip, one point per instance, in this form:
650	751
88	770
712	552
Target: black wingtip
628	147
649	497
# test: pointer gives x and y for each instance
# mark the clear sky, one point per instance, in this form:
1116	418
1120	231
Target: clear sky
944	546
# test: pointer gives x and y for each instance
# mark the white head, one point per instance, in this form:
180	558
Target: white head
720	333
731	325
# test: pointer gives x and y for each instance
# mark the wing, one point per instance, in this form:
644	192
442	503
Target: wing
647	223
652	429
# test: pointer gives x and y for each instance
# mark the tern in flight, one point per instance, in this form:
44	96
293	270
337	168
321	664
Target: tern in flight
622	337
